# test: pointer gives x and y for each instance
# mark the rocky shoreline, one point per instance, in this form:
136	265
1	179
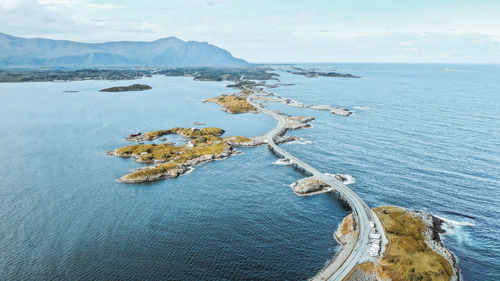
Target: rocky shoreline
434	241
175	171
270	97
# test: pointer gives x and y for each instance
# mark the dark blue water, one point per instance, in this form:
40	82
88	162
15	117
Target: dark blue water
429	141
63	215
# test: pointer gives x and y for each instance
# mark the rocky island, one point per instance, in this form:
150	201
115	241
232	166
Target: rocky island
171	160
168	160
311	185
233	103
134	87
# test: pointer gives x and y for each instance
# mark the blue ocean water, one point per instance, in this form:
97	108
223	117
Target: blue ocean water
428	141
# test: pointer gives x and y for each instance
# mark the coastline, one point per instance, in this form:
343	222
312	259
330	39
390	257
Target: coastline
347	241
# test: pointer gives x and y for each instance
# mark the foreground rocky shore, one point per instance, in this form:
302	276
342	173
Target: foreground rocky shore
414	252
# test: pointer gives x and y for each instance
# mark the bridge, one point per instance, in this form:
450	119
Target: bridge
362	214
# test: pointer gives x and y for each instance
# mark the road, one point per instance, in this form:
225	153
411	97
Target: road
361	212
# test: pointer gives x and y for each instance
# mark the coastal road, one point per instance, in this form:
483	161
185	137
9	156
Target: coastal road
362	214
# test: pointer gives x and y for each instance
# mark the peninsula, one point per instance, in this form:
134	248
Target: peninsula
414	251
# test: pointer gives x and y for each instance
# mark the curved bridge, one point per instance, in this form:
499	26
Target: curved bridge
362	214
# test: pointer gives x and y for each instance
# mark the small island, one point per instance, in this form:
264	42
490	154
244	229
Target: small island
315	73
171	160
311	186
168	160
134	87
234	103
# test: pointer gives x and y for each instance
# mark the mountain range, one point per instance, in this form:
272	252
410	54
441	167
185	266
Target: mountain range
18	52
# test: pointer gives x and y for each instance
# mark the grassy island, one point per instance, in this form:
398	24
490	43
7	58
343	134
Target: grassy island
171	160
233	103
412	252
185	132
134	87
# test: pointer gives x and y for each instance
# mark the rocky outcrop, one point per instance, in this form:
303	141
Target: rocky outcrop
308	186
270	97
333	110
233	103
244	141
343	178
297	122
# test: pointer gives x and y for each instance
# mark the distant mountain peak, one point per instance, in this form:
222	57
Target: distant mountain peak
170	38
163	52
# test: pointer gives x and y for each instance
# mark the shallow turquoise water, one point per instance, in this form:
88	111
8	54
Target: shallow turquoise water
429	141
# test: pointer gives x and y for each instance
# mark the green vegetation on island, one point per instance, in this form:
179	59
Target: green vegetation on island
233	103
414	250
171	160
134	87
185	132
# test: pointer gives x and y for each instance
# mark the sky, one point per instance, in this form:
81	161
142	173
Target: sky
454	31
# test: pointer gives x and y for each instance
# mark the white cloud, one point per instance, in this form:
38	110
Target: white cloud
67	3
9	5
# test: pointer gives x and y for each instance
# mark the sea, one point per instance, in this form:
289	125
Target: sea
422	136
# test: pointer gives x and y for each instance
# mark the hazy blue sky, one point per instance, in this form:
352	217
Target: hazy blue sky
278	31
